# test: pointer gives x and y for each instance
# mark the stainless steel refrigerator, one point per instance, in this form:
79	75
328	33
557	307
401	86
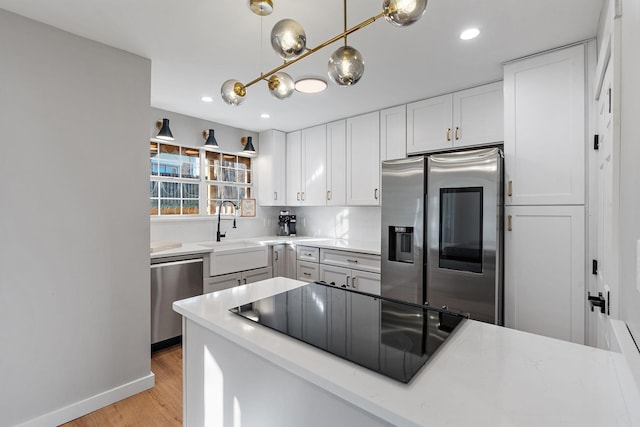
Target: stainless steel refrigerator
442	219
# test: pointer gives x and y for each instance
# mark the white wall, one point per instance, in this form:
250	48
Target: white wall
355	223
630	166
187	131
74	224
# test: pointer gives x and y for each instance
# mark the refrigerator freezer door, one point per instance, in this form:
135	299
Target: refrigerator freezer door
403	192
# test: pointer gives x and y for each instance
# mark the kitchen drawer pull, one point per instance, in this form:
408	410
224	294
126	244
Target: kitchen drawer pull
448	134
509	223
307	274
457	133
510	188
352	260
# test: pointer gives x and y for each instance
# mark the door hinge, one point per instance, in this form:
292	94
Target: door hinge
594	267
598	301
596	142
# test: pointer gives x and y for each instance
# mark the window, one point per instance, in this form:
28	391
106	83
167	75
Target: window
177	186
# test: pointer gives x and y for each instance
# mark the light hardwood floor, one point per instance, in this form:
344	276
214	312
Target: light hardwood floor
159	406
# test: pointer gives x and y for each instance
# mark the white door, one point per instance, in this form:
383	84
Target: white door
393	133
478	115
605	251
365	281
544	283
363	160
429	124
271	168
294	168
314	159
335	276
336	163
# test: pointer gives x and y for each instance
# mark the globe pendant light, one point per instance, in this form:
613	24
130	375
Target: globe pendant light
403	12
288	39
233	92
346	66
281	85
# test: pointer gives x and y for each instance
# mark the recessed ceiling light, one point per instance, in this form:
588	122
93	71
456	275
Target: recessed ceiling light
265	115
311	85
207	99
469	34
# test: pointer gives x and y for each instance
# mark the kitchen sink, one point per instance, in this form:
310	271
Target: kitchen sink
233	256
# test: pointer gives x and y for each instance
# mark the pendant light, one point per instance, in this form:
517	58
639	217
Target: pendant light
165	131
288	39
210	139
249	148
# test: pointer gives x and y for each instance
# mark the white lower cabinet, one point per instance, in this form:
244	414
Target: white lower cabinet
545	276
283	261
363	281
226	281
308	271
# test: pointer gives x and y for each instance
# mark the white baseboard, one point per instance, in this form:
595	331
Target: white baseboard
83	407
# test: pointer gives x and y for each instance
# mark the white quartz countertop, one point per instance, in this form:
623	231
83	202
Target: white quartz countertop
483	375
318	242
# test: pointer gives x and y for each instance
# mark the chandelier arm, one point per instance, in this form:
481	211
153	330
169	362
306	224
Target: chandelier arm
317	48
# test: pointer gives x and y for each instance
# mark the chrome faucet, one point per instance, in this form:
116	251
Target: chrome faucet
235	213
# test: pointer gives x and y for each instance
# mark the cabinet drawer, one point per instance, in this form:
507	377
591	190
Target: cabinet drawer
307	253
308	271
355	260
224	281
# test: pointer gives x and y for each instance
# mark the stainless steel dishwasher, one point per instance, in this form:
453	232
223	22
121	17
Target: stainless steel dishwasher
172	279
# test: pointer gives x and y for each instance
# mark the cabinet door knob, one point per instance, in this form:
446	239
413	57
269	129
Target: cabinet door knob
448	134
457	133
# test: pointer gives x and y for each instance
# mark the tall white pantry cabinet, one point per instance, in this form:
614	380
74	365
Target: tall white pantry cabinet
545	147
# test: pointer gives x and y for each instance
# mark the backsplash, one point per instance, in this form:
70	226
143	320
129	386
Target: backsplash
354	223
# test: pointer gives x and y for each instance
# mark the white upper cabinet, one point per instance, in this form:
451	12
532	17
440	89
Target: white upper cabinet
306	167
336	163
393	133
294	168
545	141
478	115
429	124
271	168
363	160
468	117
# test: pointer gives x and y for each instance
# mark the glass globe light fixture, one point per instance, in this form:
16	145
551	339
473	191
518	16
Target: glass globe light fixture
281	85
403	12
346	66
233	92
288	39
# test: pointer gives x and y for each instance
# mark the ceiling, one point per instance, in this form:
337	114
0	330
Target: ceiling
196	45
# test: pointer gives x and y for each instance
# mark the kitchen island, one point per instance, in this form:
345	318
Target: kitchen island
240	373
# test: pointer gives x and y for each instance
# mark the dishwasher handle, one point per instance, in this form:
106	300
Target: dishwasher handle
167	264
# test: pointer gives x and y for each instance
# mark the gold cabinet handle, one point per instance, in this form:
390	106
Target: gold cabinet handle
448	134
457	133
509	223
298	196
303	196
510	188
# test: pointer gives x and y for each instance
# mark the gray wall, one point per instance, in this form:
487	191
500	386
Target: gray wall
630	166
74	224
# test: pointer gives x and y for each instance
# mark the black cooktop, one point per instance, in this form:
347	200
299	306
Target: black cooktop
390	337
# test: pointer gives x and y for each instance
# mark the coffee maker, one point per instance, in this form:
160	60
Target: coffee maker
283	223
286	224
